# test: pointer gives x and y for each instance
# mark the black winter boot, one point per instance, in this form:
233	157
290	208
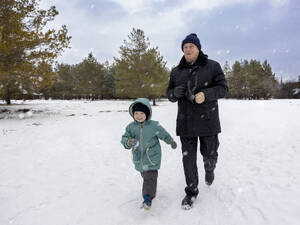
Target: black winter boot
187	202
209	177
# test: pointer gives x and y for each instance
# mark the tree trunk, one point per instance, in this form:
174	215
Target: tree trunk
7	96
154	102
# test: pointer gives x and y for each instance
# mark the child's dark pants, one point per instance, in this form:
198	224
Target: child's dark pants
149	183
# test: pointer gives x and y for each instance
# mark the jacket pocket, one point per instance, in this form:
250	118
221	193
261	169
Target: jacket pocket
208	111
212	110
150	154
136	155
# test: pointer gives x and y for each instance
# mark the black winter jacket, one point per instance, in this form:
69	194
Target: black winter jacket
204	75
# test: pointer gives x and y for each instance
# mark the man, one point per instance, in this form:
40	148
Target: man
196	84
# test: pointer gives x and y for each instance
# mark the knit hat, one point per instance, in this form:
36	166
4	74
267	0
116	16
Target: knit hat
141	108
191	38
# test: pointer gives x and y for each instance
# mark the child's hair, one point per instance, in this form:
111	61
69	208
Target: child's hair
141	108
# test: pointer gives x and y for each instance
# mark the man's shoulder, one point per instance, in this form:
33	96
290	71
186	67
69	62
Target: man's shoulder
212	62
175	69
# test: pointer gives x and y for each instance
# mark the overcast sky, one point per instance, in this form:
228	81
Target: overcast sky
228	30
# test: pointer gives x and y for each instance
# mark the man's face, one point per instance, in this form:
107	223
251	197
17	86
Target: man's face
190	51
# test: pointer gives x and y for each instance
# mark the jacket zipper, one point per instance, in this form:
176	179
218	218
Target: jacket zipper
141	144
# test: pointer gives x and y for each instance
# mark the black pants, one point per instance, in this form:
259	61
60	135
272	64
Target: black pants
208	148
150	183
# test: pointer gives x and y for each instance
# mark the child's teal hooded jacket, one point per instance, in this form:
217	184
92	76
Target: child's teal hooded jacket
147	154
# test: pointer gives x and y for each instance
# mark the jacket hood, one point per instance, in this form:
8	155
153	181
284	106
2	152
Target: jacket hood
143	101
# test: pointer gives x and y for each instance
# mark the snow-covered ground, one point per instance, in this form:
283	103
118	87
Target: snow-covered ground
61	163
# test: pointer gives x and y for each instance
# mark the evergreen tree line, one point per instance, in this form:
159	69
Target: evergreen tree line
28	52
255	80
251	80
131	77
88	79
139	72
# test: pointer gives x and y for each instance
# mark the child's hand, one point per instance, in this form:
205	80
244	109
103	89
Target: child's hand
173	145
131	142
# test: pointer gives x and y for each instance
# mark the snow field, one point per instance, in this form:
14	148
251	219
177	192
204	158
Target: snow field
62	163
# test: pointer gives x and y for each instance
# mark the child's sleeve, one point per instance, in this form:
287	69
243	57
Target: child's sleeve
125	137
162	134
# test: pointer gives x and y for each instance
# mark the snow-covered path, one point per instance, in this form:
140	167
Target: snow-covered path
62	164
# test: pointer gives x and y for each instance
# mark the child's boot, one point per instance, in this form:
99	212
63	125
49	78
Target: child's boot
147	202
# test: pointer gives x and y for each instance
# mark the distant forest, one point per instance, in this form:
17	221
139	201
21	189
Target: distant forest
28	68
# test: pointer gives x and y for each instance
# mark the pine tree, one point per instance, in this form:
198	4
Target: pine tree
228	74
140	71
271	85
251	80
26	46
237	82
1	32
42	80
254	79
64	82
109	80
90	78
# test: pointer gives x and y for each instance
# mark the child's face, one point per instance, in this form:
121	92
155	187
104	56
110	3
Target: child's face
139	116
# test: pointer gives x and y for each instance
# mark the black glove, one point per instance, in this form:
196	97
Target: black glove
173	145
131	142
179	91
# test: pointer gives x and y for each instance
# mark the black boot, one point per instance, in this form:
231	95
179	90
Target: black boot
209	177
187	202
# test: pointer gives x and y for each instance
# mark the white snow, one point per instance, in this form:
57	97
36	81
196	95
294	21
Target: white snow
63	164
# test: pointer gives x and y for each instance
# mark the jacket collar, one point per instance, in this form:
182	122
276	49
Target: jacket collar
146	122
201	61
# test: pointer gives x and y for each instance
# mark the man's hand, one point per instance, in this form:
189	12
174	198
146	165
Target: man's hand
179	91
199	98
131	142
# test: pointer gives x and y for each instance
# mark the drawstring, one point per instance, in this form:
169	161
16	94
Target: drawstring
189	82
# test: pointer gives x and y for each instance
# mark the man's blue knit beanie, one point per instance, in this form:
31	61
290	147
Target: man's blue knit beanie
191	38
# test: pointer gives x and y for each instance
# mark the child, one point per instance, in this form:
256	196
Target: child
142	136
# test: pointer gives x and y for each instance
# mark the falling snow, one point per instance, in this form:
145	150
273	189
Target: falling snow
185	153
21	115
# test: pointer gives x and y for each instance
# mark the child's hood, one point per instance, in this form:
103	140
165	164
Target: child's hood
143	101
